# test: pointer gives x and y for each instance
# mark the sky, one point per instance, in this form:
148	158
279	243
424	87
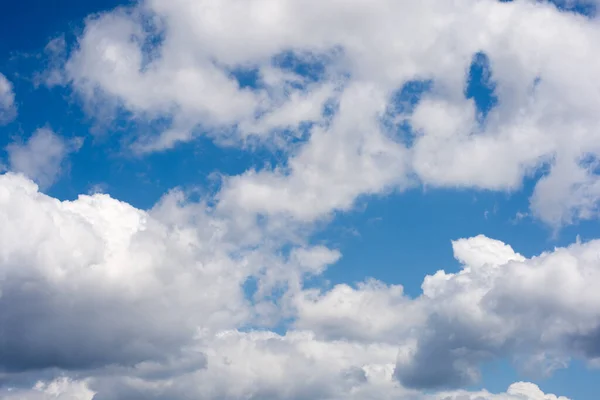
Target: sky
299	199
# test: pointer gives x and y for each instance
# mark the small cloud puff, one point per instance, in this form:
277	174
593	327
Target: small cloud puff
8	108
42	156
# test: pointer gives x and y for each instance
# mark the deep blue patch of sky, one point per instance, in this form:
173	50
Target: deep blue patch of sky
480	86
402	104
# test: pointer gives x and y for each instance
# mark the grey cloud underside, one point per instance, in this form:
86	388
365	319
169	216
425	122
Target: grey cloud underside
447	357
78	333
588	344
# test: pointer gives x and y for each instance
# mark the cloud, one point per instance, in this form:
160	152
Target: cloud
356	379
42	157
371	312
179	62
95	282
55	54
498	306
59	389
190	299
8	108
340	162
299	367
517	391
151	304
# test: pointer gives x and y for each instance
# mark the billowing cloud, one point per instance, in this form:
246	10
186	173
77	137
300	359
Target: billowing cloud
101	300
516	391
361	384
59	389
498	306
266	366
151	304
42	156
95	282
338	163
295	70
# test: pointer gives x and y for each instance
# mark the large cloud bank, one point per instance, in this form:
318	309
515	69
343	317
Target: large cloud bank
151	304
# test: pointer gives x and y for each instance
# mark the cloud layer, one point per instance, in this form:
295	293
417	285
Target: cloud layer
8	109
210	298
292	66
152	305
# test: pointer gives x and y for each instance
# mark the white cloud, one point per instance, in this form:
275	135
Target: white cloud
56	56
517	391
59	389
498	306
348	158
262	365
370	383
94	281
568	194
481	251
373	311
8	109
42	157
150	305
173	59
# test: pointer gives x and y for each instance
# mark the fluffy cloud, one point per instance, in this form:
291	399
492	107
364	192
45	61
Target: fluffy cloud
179	61
497	306
59	389
96	282
339	162
373	311
151	304
42	156
102	300
516	391
363	385
8	109
263	365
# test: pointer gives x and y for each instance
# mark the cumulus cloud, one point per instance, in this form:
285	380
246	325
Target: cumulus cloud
498	306
208	299
372	311
367	384
151	304
142	304
263	365
178	61
96	282
8	109
59	389
104	283
337	164
42	156
516	391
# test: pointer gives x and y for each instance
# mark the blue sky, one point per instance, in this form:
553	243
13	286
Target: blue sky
395	223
